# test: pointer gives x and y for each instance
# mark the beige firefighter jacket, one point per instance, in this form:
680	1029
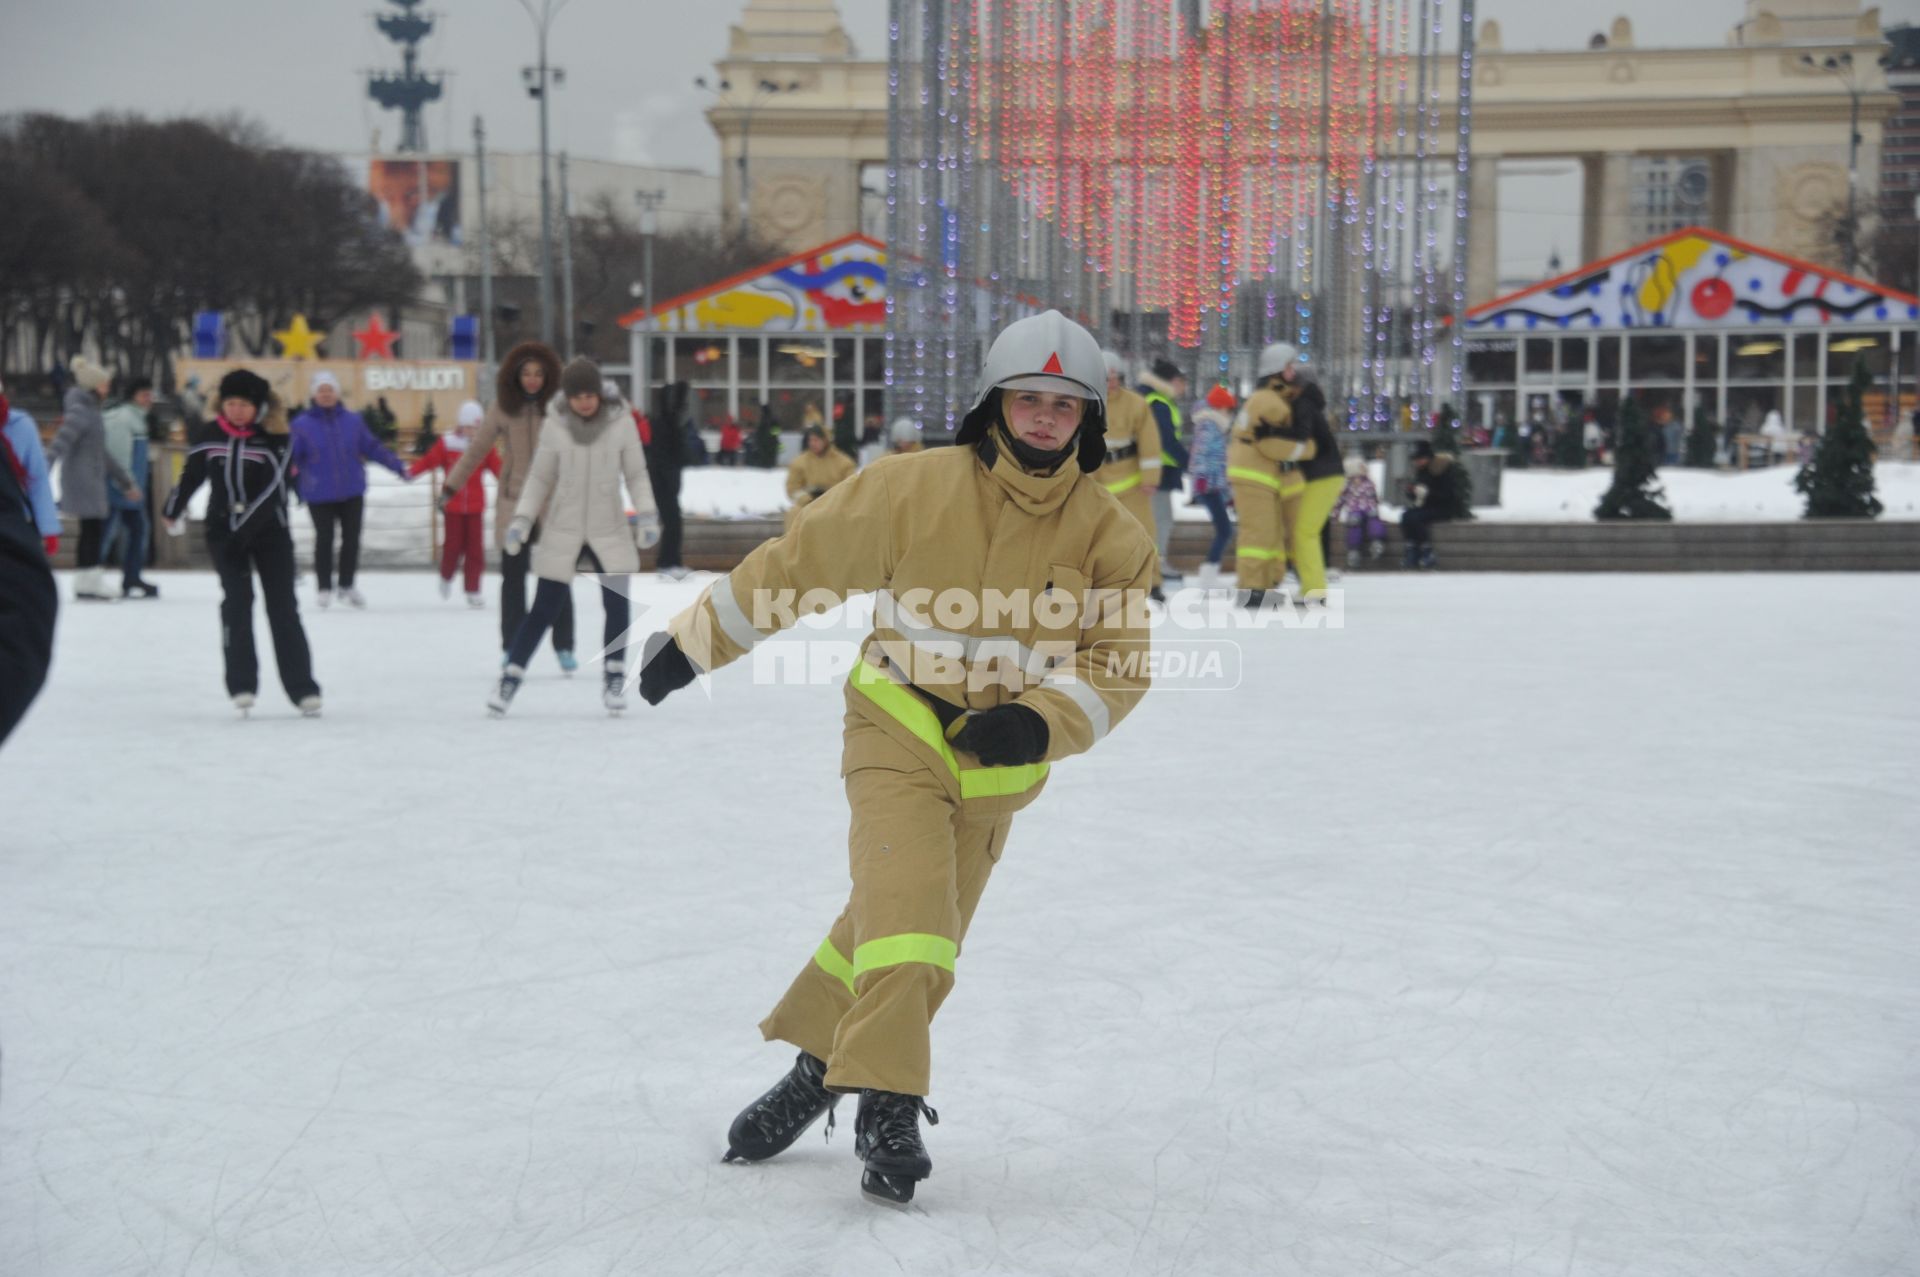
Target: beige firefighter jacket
1131	425
573	490
993	586
809	471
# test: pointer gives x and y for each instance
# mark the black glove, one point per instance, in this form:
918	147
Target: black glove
816	493
1006	736
664	668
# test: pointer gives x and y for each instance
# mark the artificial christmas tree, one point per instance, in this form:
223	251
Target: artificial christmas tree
1636	491
1703	441
763	446
1838	481
844	436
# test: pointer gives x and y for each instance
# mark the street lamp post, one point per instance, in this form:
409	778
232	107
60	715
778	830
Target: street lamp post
649	225
1840	66
539	78
761	92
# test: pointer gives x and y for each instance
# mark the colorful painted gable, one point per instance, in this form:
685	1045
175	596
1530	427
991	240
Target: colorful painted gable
1696	278
838	287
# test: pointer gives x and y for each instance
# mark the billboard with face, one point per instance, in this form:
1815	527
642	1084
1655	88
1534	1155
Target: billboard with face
420	198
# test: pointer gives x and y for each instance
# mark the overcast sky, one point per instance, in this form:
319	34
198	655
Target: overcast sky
630	65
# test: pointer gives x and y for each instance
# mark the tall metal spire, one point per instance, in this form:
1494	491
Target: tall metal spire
410	91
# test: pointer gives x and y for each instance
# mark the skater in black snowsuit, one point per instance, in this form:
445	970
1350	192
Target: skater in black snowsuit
243	456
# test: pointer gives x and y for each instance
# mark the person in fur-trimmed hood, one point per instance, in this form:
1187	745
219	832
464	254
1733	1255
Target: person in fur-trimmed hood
244	455
587	446
525	384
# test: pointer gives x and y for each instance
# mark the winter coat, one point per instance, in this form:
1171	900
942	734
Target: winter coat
573	491
1358	500
1308	424
1208	461
1436	491
448	452
24	435
1133	445
127	444
809	472
247	472
512	424
28	602
1166	415
331	448
1027	549
81	451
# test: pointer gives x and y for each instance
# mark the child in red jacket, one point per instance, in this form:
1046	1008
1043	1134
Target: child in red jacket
465	510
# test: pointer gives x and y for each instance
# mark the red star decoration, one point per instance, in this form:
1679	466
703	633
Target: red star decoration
376	339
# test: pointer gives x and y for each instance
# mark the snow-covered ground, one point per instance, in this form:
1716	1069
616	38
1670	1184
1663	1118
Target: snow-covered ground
1523	925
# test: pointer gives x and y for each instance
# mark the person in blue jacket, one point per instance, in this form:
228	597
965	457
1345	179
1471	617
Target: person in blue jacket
331	448
1165	389
36	478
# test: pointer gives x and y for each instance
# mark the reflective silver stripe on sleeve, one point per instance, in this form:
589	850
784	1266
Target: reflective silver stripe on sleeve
1083	694
971	648
733	621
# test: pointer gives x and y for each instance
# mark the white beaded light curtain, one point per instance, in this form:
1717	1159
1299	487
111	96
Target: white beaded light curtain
1185	178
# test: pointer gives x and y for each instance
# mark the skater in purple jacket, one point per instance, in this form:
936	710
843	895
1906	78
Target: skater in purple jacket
331	448
1359	509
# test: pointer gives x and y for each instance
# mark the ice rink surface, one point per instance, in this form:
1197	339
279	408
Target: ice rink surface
1540	925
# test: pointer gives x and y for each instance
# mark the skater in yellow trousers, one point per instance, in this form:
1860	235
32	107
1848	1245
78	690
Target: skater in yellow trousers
1264	468
1010	634
1307	506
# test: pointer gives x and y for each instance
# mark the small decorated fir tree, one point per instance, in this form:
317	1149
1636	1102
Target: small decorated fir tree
1838	481
763	446
1703	441
1636	492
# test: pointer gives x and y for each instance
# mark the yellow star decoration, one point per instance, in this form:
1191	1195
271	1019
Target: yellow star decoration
297	341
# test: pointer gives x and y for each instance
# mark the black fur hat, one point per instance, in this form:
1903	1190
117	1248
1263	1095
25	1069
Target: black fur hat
250	386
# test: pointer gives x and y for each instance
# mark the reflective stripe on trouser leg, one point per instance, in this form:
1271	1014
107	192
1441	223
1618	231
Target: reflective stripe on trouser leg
919	866
1309	517
1261	546
811	1009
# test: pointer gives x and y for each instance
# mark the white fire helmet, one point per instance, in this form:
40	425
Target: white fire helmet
1116	366
1275	359
1045	352
903	431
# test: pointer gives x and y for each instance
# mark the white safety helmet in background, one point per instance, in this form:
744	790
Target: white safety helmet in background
903	431
1275	359
1045	352
1116	366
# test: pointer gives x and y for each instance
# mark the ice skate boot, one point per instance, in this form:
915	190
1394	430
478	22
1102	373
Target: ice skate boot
243	701
614	690
773	1122
568	663
310	706
504	693
886	1136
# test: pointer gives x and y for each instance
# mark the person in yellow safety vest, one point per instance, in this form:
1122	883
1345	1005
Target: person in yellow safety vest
1010	633
819	466
1306	508
1263	467
1132	469
1164	388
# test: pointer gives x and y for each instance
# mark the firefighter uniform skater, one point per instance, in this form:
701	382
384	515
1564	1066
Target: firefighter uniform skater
819	467
1132	469
948	732
1263	467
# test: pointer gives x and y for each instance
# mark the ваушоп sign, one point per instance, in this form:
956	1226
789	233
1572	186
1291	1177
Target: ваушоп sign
416	378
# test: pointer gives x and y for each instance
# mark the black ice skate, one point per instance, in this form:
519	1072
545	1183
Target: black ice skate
886	1136
773	1122
614	692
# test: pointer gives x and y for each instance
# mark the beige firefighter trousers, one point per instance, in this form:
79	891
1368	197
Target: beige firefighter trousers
919	861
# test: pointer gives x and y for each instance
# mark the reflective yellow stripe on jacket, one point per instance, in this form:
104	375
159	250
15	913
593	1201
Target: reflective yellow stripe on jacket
914	714
1127	484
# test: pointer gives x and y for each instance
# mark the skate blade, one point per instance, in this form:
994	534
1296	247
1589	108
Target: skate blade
887	1190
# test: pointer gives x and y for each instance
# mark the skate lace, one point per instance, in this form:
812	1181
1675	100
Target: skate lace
898	1126
787	1106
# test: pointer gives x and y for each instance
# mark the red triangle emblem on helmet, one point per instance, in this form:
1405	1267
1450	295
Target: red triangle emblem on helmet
1053	364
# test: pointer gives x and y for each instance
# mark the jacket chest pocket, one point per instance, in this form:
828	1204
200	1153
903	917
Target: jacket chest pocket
1059	611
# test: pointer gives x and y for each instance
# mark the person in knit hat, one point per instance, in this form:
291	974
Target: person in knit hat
466	509
331	447
244	457
80	450
1211	426
588	437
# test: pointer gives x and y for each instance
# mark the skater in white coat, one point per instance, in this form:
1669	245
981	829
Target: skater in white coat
587	446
